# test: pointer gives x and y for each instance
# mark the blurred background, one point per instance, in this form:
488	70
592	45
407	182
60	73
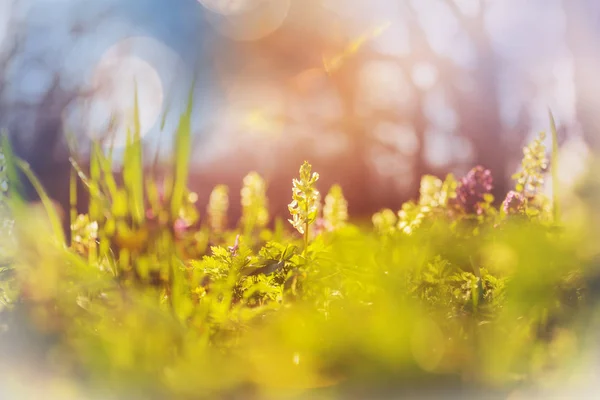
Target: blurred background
374	93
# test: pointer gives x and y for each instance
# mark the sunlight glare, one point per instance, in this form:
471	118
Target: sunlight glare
249	23
230	7
256	108
401	137
115	78
469	7
424	75
382	85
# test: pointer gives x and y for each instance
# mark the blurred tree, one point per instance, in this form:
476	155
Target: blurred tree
47	51
383	105
583	27
34	118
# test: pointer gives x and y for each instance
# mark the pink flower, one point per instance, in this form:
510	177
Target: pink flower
513	203
319	226
180	227
150	214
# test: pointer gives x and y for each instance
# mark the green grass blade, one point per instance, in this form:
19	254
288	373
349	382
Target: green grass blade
133	167
159	140
72	199
182	156
554	166
107	173
137	193
95	182
84	178
46	201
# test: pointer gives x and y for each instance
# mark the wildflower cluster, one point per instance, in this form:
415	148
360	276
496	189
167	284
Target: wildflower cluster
514	203
384	221
255	210
84	234
335	210
410	217
534	164
527	197
435	193
470	197
435	199
218	205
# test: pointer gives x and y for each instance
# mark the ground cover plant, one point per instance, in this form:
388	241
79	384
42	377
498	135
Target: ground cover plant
154	298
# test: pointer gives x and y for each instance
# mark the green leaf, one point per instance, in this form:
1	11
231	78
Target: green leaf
133	167
180	294
106	166
182	156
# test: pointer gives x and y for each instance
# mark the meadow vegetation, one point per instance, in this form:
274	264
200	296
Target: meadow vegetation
154	298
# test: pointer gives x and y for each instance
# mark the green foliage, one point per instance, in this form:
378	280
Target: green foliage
533	166
154	305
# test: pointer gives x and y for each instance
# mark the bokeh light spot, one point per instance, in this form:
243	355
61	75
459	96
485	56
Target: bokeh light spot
438	148
250	23
114	79
382	85
424	75
401	137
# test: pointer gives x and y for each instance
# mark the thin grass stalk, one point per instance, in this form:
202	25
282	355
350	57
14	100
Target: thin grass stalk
182	156
72	201
96	205
135	167
554	167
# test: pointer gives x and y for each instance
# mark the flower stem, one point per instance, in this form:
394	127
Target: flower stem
305	238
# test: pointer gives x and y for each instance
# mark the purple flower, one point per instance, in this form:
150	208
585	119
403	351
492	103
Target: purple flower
472	188
513	203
